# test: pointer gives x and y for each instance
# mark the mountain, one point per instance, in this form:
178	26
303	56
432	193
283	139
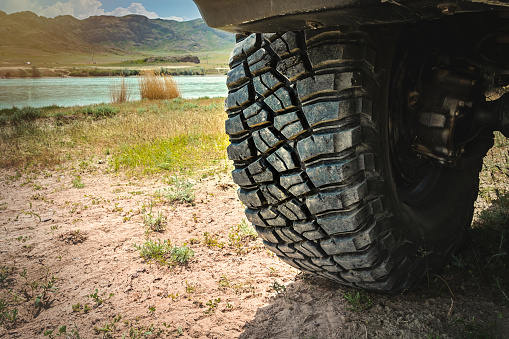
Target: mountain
26	32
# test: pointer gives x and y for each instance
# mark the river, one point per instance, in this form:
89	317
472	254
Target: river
40	92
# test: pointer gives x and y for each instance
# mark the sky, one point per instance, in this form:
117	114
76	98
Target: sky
180	10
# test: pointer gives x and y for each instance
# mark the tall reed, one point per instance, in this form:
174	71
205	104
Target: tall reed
120	92
154	87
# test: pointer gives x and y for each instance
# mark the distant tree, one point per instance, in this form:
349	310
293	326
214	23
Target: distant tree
36	72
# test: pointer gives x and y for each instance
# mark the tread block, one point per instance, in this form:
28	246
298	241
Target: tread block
241	177
265	139
272	217
313	248
259	119
289	125
250	198
344	244
330	111
334	201
260	172
273	194
352	261
337	245
333	54
244	48
240	97
323	202
256	115
327	264
325	261
292	67
259	62
285	45
266	83
293	210
290	251
280	100
305	226
267	234
310	266
282	160
274	248
329	174
341	223
291	234
331	84
371	275
325	144
367	236
314	235
316	84
253	216
283	236
295	183
252	110
237	76
234	125
242	150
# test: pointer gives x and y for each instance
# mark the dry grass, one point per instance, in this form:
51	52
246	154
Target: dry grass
157	87
154	135
120	92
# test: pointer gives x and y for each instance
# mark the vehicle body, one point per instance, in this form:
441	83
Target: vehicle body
358	128
264	16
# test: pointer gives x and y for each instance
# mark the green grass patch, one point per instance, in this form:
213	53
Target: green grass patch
101	111
181	191
145	136
179	154
164	253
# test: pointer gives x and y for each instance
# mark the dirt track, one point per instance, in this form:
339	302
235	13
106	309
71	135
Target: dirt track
260	296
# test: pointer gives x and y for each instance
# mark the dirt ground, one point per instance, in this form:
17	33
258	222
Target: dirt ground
84	238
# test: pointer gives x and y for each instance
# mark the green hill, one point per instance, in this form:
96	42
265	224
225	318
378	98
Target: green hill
27	34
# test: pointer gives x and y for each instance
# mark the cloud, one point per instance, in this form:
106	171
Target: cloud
134	8
80	9
176	18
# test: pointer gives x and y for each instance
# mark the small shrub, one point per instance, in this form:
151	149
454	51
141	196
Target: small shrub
154	250
241	234
211	240
155	222
358	301
25	114
154	87
182	254
102	111
77	182
212	304
181	191
120	92
164	253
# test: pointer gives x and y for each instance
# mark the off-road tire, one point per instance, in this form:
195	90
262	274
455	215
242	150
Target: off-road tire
308	116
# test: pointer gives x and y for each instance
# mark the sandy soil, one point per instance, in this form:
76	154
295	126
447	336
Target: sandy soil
260	296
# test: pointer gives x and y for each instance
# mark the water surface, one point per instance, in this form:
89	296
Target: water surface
40	92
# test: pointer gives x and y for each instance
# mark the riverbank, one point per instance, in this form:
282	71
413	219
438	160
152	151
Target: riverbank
11	72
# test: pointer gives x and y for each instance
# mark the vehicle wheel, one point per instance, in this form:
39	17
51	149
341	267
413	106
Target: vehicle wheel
325	162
